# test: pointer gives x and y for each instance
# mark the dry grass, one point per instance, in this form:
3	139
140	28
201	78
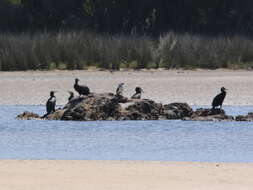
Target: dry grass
79	50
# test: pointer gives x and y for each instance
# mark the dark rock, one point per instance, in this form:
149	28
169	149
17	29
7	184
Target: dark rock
248	117
121	99
209	115
177	111
57	115
28	116
91	108
108	106
143	110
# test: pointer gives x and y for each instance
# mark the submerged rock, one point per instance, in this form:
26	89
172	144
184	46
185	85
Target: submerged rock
248	117
209	115
108	106
28	116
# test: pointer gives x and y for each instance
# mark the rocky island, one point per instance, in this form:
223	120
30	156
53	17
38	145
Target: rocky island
108	106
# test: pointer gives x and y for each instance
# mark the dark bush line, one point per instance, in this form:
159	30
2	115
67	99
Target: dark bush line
80	50
129	16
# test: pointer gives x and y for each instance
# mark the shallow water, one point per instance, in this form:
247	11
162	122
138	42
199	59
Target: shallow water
125	140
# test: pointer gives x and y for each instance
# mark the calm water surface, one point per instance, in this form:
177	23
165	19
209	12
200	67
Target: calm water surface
125	140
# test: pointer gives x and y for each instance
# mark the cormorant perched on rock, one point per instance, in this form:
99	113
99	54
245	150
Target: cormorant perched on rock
218	100
71	95
119	91
82	90
138	92
51	102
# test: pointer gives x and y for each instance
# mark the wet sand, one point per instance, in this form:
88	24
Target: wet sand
193	87
123	175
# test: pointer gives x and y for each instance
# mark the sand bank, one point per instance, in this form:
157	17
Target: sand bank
193	87
123	175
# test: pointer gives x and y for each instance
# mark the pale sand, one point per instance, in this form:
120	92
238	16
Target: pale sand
123	175
193	87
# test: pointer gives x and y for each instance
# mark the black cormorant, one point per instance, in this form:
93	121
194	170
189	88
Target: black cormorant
71	95
218	100
51	102
119	91
138	92
82	90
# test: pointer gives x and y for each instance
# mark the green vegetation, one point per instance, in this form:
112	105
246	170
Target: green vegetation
129	16
125	34
15	2
80	50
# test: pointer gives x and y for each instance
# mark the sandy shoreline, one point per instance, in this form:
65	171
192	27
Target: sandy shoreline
123	175
193	87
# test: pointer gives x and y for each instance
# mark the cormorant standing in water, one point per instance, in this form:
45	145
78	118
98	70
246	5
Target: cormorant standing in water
71	95
81	89
138	92
218	100
119	91
51	102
